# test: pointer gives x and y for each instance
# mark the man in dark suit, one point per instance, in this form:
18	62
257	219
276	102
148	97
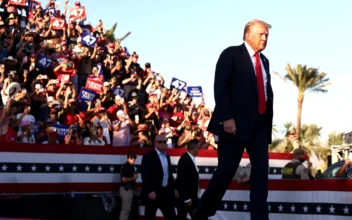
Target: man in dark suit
242	119
158	184
187	182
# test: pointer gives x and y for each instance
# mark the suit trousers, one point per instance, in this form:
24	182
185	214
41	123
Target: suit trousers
183	210
229	156
126	205
164	202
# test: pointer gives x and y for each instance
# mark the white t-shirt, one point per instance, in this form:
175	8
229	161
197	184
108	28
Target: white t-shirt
25	139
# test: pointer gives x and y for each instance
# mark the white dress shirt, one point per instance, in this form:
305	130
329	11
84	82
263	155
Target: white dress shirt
251	54
165	165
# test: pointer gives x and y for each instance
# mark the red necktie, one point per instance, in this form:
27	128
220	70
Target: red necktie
260	83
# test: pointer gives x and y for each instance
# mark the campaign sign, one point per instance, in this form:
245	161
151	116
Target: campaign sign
43	61
119	91
62	131
57	23
78	12
17	2
88	39
94	84
195	91
178	84
86	95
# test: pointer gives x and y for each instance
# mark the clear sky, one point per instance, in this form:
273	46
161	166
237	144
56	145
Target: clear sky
183	39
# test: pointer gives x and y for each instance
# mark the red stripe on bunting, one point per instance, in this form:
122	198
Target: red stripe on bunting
274	185
294	185
73	149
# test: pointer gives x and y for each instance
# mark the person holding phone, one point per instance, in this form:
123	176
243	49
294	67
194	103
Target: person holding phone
73	137
121	135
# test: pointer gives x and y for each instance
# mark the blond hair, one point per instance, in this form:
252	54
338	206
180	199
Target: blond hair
251	23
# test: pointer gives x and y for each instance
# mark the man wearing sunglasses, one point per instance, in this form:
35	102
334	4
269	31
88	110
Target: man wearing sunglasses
158	184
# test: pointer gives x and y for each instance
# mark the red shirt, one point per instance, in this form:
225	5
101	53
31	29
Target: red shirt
176	119
69	118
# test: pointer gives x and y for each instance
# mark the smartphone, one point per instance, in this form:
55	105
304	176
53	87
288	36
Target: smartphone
42	90
29	108
55	81
33	64
24	91
44	77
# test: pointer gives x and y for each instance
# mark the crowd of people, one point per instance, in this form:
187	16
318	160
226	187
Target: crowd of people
63	82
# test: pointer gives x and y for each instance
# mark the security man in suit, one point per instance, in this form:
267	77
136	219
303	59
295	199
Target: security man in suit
128	182
158	184
295	169
187	182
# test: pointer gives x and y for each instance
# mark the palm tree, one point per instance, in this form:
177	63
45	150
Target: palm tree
310	134
335	138
110	34
306	80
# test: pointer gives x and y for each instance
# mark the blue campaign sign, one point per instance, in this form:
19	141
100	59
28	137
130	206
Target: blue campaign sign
178	84
43	61
88	39
195	91
119	91
62	130
86	95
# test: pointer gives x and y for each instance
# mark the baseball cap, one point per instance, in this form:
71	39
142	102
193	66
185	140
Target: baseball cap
50	99
38	86
106	84
117	98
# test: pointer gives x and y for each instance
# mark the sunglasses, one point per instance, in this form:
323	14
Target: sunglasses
162	142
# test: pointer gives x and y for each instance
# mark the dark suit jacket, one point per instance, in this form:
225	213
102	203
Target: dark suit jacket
152	175
187	179
236	94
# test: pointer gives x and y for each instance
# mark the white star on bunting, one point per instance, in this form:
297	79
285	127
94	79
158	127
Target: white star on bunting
19	168
225	206
235	206
269	207
275	170
61	168
293	208
345	210
245	206
100	169
318	209
4	168
305	208
74	168
332	209
87	168
280	208
112	169
206	170
47	168
34	168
